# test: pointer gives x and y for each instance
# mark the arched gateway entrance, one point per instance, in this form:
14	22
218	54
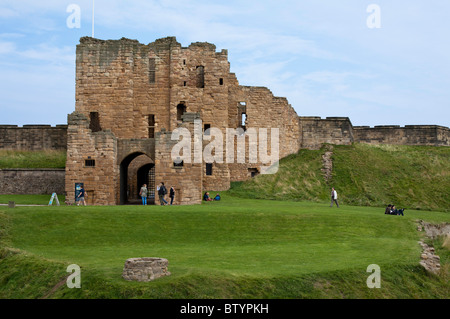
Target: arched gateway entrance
135	170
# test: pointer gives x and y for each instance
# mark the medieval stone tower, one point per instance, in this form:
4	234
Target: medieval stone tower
130	97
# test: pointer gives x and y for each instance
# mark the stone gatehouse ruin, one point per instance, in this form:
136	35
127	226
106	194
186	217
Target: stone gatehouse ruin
131	97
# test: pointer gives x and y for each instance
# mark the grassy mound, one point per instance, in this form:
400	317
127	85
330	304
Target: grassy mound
32	159
236	248
415	177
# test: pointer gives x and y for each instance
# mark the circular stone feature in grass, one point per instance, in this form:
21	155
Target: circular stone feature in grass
145	269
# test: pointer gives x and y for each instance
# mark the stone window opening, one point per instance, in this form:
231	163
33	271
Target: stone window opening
253	172
152	70
89	163
94	123
244	119
200	77
221	81
209	168
206	129
178	162
151	126
184	83
181	109
242	115
243	123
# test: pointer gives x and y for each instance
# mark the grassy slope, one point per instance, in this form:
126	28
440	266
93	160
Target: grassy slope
32	159
232	249
415	177
243	248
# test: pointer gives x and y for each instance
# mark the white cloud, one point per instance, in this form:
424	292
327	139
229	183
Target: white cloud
7	13
318	54
7	47
50	54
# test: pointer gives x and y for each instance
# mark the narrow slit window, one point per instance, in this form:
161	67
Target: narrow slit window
152	70
242	115
200	77
181	109
94	124
209	168
151	126
243	119
206	129
221	81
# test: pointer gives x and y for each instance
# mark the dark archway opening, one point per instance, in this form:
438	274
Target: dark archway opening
181	109
142	174
146	175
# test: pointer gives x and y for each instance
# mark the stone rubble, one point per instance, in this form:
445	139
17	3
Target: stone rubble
429	260
145	269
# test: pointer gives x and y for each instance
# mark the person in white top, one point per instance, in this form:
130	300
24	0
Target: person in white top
334	197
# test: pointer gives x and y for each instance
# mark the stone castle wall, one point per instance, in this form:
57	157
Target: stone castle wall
92	160
32	181
132	94
33	137
432	135
315	131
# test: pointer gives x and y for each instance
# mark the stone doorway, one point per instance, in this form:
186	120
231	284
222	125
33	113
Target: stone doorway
146	175
135	170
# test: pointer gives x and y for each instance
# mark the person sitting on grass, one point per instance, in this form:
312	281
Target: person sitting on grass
388	209
206	197
217	197
395	211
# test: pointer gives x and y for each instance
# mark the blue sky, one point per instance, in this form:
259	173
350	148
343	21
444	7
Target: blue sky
319	54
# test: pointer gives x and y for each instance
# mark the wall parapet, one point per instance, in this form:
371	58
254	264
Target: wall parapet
431	135
339	130
33	137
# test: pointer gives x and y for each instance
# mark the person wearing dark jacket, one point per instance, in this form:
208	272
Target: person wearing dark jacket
162	191
172	195
388	209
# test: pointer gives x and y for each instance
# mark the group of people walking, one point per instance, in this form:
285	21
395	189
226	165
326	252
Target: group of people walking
162	192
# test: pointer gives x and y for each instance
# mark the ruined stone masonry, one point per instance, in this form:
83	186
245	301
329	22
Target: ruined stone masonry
130	98
145	269
428	259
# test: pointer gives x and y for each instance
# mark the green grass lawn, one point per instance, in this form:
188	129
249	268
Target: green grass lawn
30	199
416	177
32	159
236	248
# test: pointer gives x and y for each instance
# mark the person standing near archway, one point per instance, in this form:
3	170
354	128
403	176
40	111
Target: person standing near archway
143	194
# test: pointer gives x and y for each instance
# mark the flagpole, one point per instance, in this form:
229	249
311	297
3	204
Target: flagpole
93	6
